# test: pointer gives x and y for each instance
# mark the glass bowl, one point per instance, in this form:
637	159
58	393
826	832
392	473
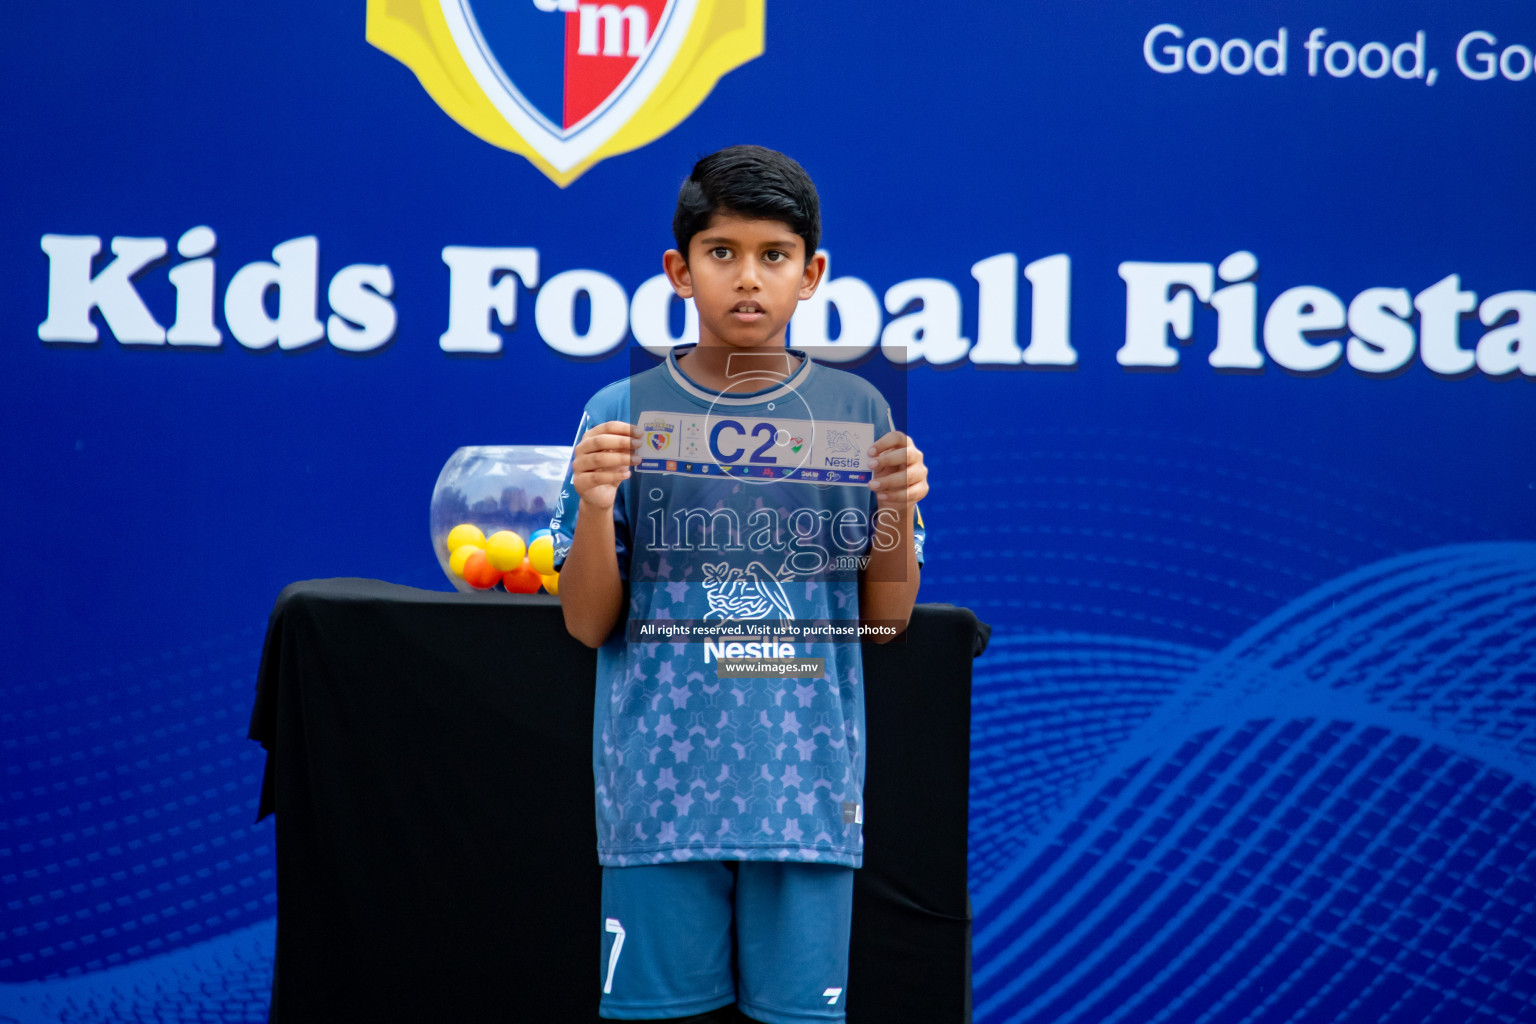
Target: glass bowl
495	487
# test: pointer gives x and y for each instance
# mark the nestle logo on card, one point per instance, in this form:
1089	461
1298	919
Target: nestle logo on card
841	462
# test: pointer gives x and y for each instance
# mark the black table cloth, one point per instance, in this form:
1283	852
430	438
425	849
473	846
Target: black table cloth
429	760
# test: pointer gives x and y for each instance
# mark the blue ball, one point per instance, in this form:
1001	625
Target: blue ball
536	534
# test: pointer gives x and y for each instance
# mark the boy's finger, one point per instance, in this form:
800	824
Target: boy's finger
906	496
597	478
617	442
894	458
593	440
613	428
903	479
604	459
891	439
611	465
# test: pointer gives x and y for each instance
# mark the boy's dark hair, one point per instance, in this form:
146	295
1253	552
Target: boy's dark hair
751	181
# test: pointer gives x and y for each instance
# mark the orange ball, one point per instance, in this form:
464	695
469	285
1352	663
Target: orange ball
479	572
522	580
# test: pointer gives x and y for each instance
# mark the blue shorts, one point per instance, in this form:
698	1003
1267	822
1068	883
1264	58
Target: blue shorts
681	939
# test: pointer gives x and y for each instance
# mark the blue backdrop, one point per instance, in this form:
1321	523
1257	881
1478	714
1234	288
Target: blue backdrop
1230	434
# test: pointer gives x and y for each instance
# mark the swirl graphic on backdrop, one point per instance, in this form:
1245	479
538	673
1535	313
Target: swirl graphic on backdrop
1186	805
1331	819
135	883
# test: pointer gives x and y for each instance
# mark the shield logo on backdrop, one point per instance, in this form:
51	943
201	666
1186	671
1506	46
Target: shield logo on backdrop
567	83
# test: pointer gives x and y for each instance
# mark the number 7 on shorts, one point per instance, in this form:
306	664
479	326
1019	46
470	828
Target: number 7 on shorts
617	929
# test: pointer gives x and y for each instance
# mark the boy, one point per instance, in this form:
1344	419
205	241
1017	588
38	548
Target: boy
728	792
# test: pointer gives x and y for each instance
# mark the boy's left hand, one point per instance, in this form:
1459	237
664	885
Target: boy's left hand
901	477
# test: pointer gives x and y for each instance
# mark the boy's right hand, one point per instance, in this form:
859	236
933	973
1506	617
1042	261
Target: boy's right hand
602	460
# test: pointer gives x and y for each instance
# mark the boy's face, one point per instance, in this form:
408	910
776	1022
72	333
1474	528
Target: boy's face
746	277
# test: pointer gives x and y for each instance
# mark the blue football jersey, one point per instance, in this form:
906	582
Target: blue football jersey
729	718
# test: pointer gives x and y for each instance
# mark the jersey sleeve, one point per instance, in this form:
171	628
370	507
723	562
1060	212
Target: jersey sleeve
563	523
885	422
919	532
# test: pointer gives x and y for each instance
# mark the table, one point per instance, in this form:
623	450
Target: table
429	760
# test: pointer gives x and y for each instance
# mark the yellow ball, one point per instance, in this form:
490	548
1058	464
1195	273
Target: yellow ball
460	553
541	555
505	550
465	533
551	583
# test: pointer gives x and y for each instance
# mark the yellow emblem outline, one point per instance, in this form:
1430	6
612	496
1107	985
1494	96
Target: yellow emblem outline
724	35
